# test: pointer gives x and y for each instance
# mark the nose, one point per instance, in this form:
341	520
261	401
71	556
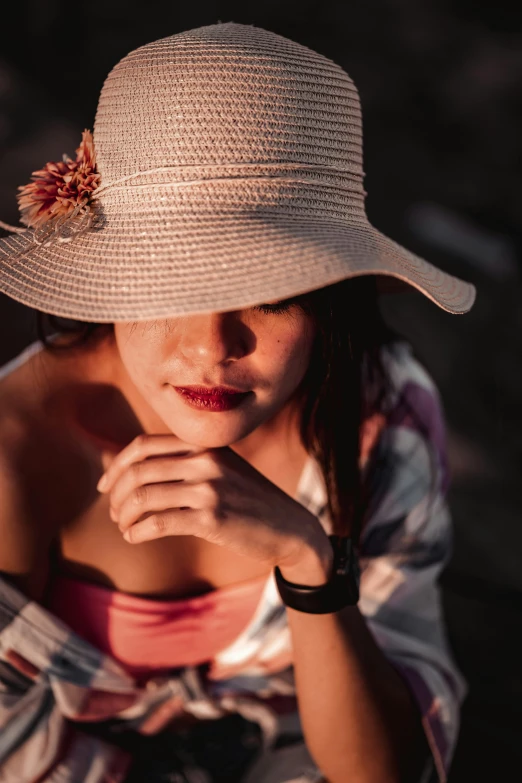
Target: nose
215	338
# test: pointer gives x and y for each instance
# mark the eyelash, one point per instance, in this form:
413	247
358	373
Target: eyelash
273	308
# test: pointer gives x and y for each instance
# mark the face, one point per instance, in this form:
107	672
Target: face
261	351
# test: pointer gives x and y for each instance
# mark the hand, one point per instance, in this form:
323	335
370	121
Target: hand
160	486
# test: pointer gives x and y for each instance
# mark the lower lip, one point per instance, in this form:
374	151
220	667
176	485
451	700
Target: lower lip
212	402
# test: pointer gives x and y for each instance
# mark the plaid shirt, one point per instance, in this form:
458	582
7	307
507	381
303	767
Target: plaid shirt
68	713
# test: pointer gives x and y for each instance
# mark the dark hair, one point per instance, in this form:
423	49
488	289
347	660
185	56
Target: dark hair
344	383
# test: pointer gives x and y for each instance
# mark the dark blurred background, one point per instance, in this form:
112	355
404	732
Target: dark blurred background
441	89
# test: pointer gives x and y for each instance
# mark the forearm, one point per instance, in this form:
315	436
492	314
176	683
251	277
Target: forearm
359	719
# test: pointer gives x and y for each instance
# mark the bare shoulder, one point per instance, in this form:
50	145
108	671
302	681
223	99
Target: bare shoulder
44	475
25	543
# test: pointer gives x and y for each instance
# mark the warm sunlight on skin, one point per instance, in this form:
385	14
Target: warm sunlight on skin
262	350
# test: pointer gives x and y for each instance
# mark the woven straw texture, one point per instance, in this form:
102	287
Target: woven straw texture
231	175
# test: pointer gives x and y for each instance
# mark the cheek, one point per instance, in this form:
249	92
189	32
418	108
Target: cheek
286	356
137	355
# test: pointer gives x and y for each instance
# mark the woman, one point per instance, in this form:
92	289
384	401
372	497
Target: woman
193	468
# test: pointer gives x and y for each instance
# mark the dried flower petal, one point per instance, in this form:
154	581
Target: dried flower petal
60	186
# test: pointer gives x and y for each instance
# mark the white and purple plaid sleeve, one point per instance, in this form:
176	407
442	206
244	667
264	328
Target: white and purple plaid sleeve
405	543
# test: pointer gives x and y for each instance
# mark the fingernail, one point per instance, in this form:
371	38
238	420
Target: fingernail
102	483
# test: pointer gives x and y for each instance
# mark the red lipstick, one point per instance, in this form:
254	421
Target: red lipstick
212	398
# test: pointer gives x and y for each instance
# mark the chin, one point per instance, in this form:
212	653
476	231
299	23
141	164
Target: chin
208	435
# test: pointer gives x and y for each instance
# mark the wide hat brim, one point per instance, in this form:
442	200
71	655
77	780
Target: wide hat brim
230	174
117	271
228	264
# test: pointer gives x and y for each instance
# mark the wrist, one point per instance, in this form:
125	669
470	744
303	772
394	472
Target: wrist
313	567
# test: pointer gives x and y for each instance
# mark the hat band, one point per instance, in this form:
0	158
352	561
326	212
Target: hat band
281	171
76	222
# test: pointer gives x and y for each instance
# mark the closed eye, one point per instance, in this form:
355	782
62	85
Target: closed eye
277	307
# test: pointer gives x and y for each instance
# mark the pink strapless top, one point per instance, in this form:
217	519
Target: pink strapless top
148	636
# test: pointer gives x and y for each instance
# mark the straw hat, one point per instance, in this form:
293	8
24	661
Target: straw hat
227	173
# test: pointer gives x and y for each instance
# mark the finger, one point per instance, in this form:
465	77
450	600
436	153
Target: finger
170	522
107	458
154	498
143	447
160	470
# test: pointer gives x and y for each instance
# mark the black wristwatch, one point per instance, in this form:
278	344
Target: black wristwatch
342	589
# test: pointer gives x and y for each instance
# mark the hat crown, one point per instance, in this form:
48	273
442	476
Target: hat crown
227	94
231	174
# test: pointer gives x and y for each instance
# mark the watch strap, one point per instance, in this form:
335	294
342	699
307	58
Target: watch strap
341	590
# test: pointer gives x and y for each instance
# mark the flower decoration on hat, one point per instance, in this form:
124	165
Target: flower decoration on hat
60	188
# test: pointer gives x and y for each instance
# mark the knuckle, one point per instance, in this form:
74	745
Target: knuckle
140	441
159	524
140	495
136	471
210	492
